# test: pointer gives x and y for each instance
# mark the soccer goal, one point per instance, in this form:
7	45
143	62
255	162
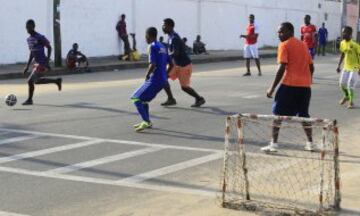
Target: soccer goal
290	180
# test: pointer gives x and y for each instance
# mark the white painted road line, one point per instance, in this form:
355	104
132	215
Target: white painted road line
171	169
4	213
18	139
104	160
162	188
48	151
126	142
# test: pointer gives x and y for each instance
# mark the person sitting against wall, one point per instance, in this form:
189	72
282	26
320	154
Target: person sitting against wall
188	49
199	46
75	59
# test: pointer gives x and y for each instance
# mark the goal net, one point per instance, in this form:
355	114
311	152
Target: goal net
288	180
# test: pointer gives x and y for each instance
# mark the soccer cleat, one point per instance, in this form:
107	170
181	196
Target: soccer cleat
309	146
351	105
272	147
143	125
59	83
137	125
28	102
169	102
199	102
247	74
259	74
343	100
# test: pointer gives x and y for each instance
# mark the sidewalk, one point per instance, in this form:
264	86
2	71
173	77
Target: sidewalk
111	63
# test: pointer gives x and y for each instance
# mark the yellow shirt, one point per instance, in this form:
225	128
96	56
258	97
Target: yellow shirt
351	49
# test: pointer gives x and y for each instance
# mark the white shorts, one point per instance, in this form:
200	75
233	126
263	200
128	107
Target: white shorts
348	79
251	51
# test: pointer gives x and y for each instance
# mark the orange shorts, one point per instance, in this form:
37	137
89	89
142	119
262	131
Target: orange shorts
181	73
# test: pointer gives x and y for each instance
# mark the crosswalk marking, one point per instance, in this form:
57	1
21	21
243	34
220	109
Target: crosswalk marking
48	151
104	160
171	169
18	139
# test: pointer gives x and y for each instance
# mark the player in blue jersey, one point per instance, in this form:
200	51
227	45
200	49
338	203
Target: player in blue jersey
37	43
155	80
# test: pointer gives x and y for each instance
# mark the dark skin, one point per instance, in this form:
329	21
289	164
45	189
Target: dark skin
167	29
346	35
31	30
307	21
284	34
251	21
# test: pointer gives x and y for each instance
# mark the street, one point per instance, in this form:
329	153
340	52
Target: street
75	152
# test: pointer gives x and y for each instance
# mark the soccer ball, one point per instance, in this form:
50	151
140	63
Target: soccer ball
10	100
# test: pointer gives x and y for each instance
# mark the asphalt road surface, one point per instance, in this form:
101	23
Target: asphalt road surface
75	152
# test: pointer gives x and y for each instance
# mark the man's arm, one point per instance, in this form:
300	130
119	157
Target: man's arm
279	76
31	57
49	49
312	69
338	69
151	69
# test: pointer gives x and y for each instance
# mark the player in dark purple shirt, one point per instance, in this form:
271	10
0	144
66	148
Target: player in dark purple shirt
182	69
37	43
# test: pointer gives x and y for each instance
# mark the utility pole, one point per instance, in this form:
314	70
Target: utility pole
57	33
343	14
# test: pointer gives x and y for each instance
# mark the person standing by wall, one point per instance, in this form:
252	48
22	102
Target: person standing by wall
323	37
122	33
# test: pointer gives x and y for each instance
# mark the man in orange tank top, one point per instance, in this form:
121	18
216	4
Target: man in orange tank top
295	74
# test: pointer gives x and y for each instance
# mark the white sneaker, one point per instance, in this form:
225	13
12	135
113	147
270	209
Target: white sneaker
272	147
309	146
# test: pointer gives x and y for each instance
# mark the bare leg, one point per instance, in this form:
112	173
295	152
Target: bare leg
257	61
276	130
308	131
248	73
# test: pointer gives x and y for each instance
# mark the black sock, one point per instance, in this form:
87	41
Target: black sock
168	91
31	90
191	92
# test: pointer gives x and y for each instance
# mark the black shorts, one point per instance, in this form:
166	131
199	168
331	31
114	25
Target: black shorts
292	101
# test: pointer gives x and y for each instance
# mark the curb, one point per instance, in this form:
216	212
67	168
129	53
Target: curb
127	65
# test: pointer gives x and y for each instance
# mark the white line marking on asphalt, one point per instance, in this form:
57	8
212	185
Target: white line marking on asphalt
18	139
104	160
163	188
126	142
48	151
251	96
171	169
4	213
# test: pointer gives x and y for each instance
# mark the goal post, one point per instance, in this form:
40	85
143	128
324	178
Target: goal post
290	179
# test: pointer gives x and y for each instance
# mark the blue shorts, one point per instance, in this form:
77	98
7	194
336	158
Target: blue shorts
292	101
147	91
312	52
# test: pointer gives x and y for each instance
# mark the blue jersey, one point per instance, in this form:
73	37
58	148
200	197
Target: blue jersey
158	56
323	34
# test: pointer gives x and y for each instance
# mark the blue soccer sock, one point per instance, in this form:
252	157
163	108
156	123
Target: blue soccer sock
143	110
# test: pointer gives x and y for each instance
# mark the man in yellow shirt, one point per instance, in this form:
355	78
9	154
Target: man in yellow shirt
350	51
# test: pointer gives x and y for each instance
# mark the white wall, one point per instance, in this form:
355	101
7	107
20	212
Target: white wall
91	23
13	17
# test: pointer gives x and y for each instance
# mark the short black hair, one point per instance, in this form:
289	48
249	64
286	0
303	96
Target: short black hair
252	15
122	15
75	44
307	15
170	22
30	22
348	29
152	32
288	26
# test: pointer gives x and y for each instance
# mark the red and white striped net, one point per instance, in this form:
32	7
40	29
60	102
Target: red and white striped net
291	179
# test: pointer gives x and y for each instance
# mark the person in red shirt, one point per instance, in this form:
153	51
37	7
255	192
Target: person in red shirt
309	35
123	35
250	47
295	74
